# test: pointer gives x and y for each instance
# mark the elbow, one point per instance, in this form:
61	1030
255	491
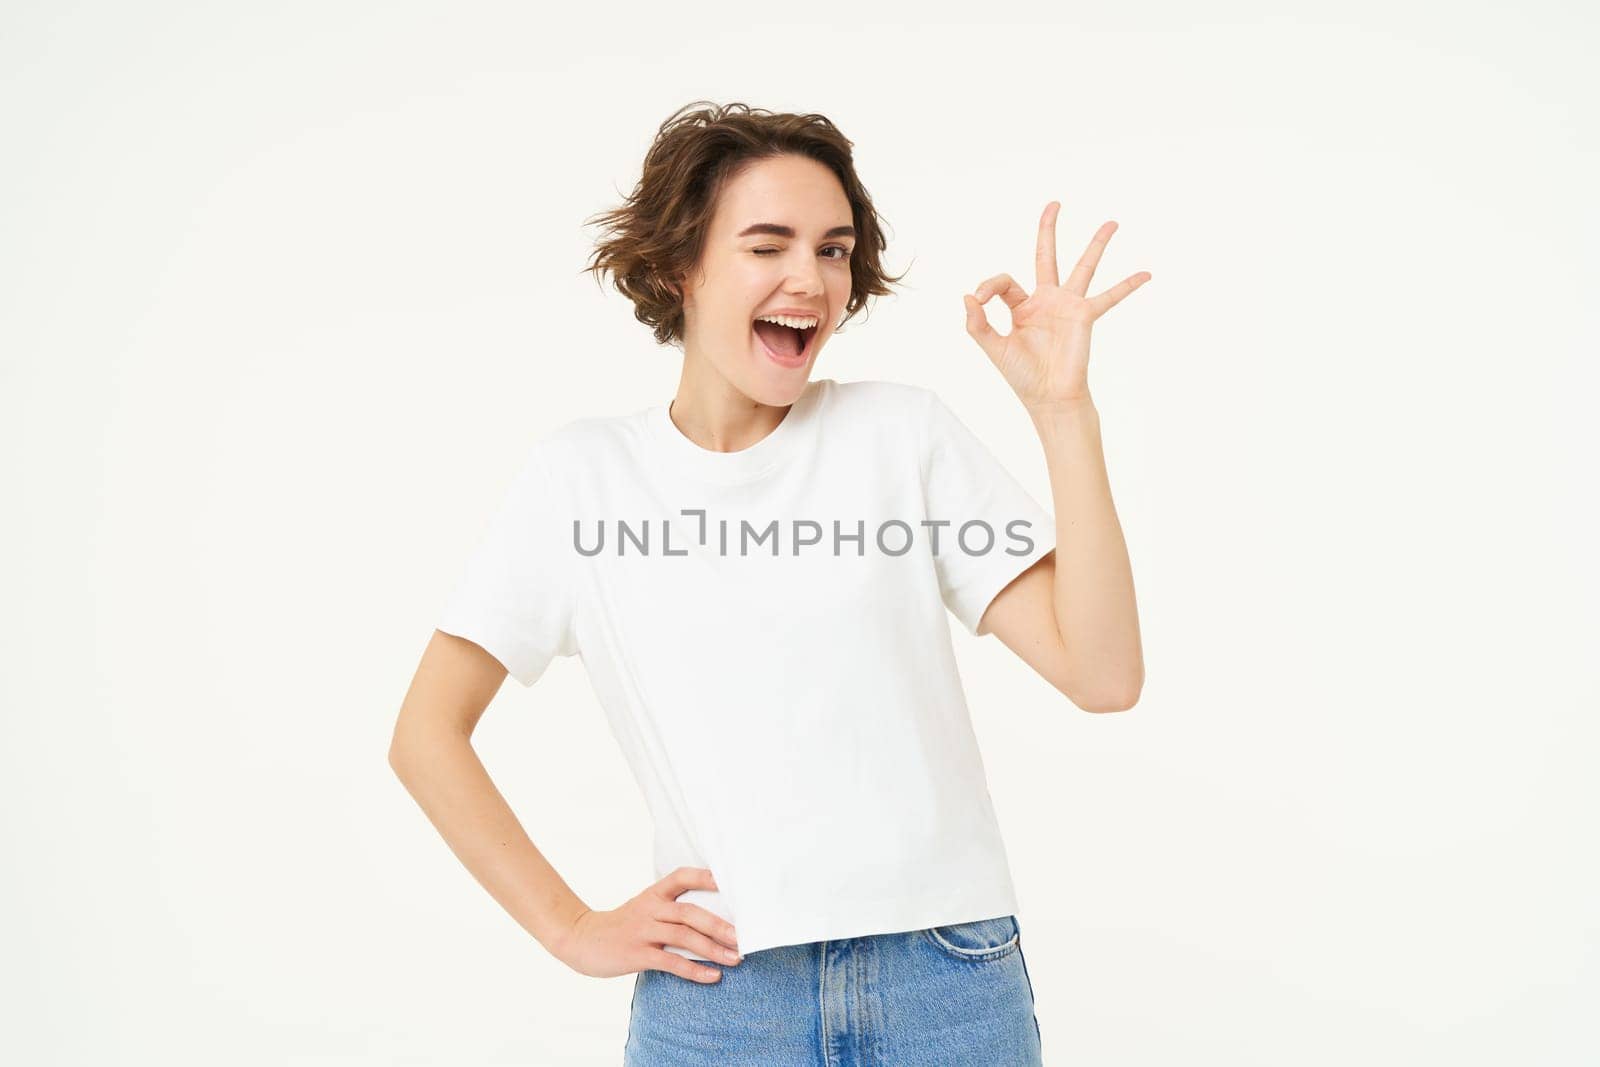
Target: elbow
1104	707
402	753
1109	699
415	745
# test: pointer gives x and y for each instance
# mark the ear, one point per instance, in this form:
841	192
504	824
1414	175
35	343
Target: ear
673	285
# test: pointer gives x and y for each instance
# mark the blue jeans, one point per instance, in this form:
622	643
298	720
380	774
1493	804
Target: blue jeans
945	995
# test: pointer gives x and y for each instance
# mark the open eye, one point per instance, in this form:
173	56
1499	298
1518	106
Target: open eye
769	251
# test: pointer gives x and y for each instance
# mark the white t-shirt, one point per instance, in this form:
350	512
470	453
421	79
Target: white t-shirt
766	631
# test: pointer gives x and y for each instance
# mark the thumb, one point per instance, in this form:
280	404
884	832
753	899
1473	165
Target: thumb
979	330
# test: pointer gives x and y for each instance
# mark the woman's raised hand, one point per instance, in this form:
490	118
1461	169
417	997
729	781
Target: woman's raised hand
1045	357
605	944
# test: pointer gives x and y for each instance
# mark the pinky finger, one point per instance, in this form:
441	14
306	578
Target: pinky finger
1114	295
683	967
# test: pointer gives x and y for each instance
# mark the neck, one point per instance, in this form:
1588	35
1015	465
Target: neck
713	413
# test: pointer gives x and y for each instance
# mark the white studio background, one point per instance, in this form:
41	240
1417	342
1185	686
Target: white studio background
288	290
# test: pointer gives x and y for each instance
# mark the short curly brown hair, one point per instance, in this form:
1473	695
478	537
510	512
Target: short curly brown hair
655	238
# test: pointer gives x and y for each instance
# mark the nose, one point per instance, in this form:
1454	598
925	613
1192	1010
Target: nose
805	280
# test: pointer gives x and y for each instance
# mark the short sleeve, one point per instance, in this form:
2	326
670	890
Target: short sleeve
993	529
513	597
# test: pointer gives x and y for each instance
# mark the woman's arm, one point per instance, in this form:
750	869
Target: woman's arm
1072	616
433	756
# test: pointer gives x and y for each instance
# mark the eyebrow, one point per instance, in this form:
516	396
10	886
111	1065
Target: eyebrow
788	231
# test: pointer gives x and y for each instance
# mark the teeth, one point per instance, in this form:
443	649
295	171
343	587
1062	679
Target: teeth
788	320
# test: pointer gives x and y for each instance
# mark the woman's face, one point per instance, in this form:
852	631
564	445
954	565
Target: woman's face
780	242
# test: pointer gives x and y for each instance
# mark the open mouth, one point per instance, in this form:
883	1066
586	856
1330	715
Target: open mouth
785	343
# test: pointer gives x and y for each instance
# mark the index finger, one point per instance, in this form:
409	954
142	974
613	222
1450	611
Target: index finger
682	879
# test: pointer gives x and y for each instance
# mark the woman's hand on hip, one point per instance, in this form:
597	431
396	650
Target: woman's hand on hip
605	944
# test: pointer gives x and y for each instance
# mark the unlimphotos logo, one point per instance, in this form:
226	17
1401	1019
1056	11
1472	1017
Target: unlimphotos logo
892	537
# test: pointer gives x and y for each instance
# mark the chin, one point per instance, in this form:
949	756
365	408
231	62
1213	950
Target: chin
778	390
775	384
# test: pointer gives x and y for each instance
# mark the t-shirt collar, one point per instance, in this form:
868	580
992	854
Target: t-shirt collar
747	464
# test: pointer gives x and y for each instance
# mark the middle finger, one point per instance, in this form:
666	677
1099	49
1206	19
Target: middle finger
693	940
704	920
1045	255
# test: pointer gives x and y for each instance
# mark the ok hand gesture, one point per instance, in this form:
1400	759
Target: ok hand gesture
1045	357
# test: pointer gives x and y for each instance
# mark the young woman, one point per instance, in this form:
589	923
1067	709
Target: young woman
758	575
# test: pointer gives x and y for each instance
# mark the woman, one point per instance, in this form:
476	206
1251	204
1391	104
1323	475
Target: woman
758	574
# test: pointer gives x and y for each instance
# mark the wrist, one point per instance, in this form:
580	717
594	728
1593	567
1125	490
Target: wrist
562	931
1076	405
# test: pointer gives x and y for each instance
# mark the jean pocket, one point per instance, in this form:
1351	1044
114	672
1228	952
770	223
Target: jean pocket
981	939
